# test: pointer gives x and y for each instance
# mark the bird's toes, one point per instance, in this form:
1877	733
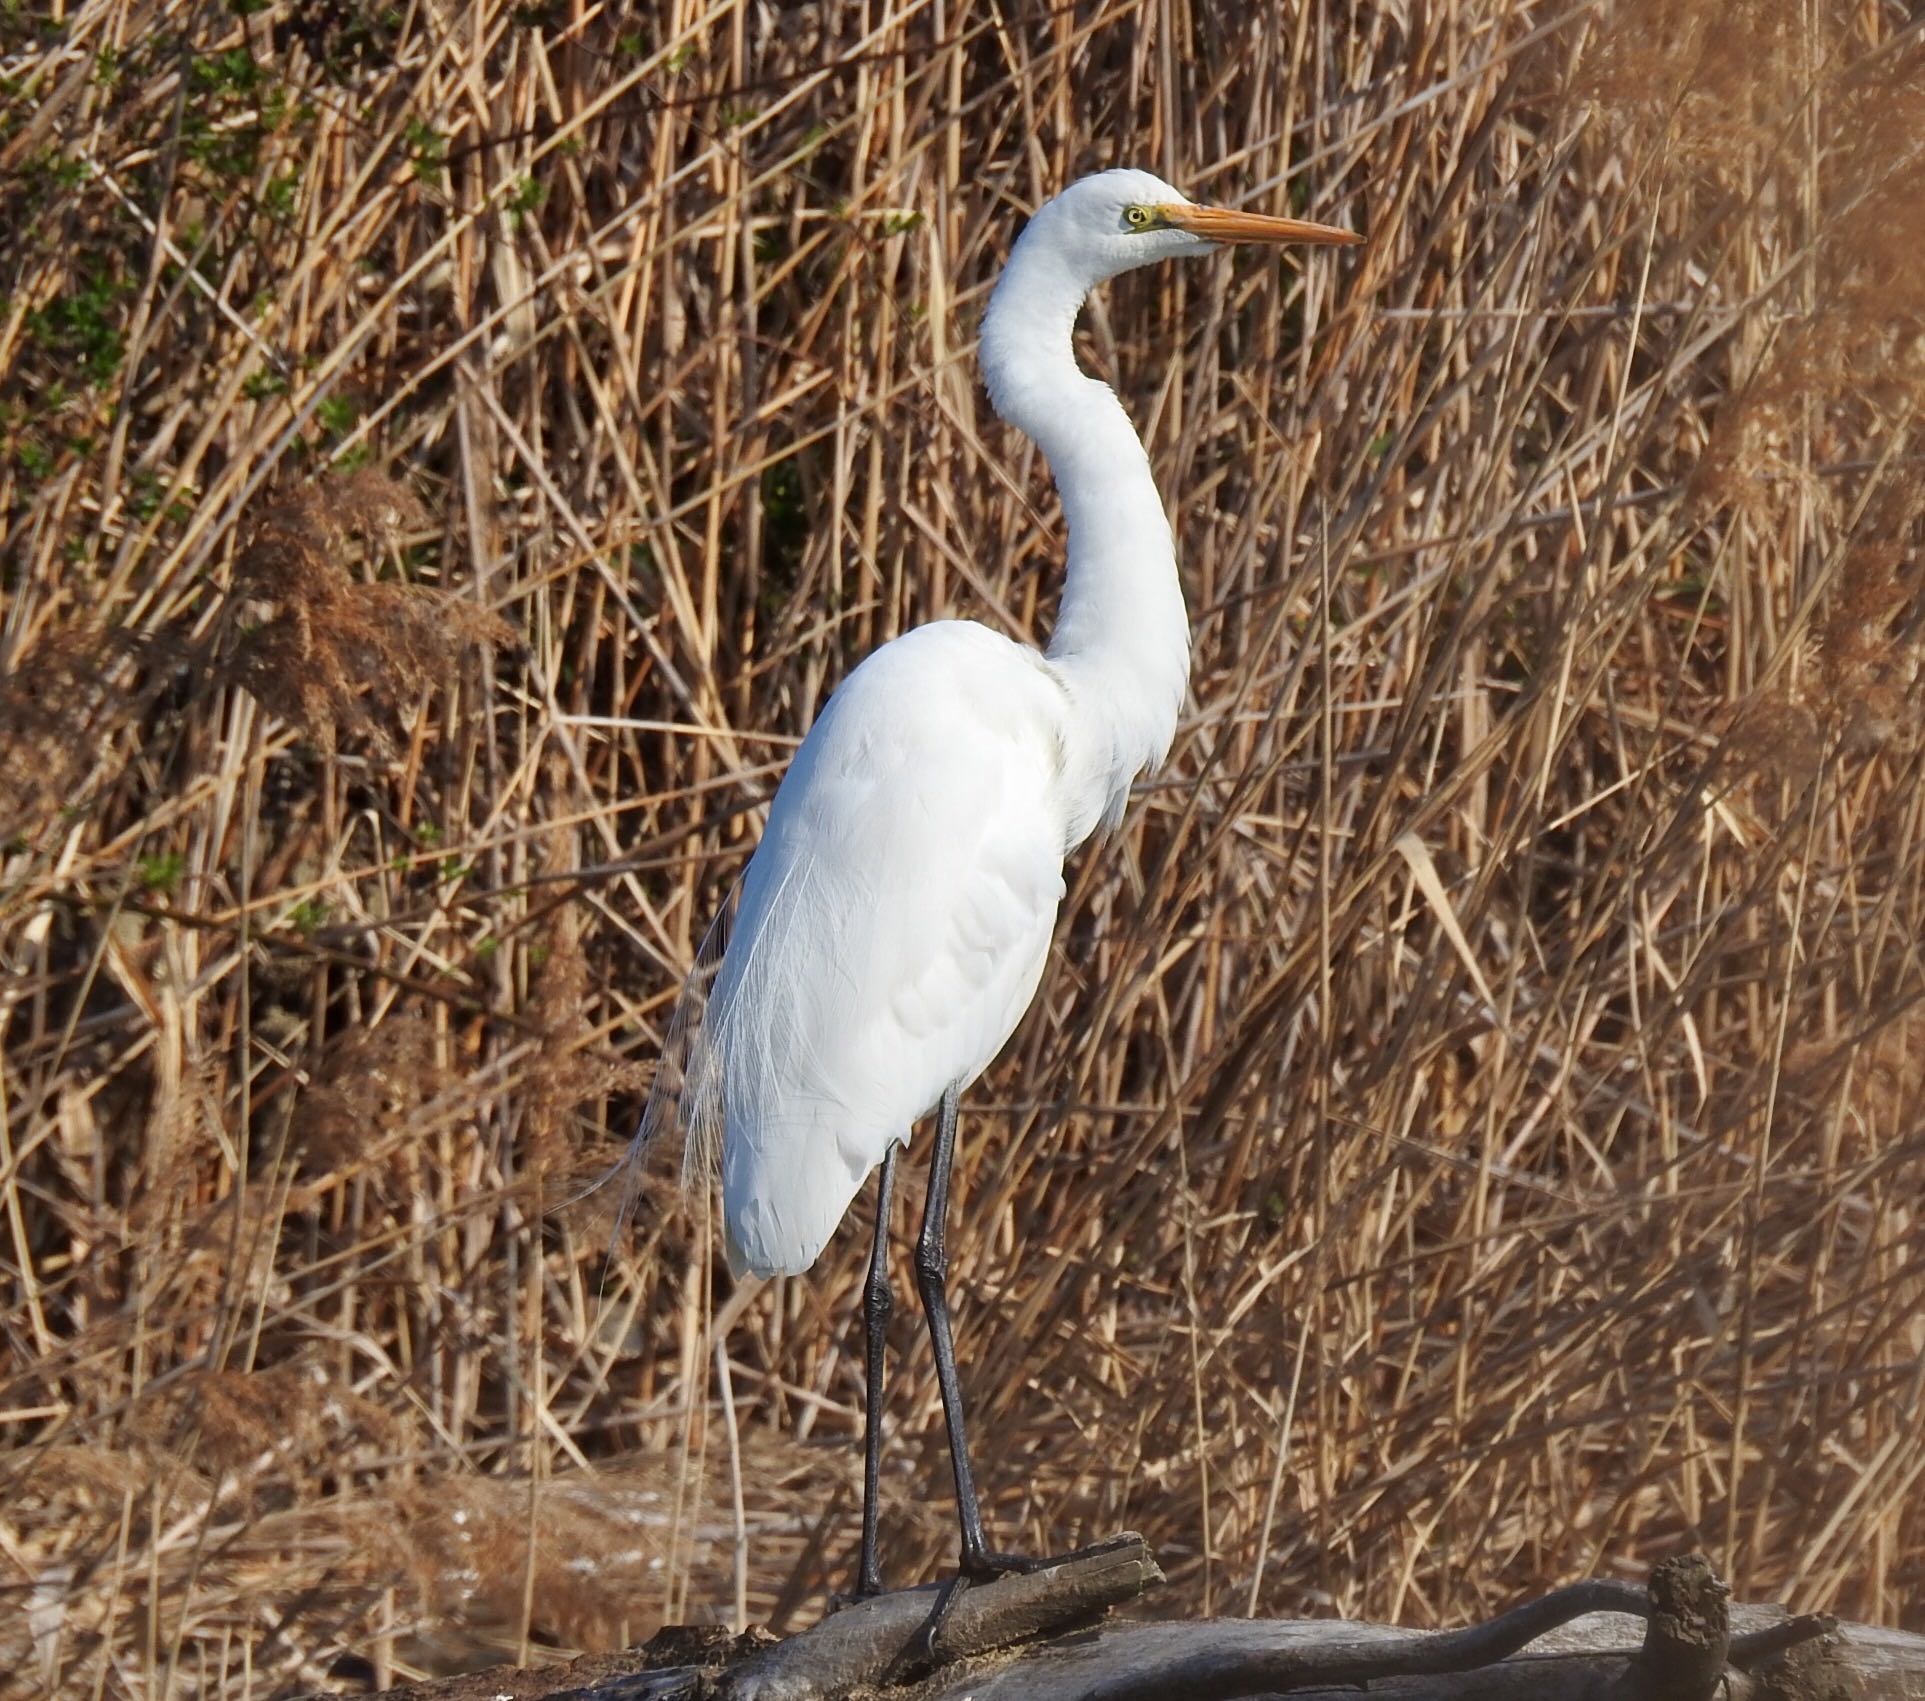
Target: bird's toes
919	1652
986	1567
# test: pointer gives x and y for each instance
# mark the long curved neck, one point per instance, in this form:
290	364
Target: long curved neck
1122	638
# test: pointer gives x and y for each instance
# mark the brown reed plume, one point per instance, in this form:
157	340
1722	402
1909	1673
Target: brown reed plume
329	653
58	706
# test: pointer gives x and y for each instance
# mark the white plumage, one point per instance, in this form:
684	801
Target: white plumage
891	928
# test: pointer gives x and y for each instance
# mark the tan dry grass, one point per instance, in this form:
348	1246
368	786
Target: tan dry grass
1469	1134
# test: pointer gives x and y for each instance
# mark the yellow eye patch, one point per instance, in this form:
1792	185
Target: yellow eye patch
1139	218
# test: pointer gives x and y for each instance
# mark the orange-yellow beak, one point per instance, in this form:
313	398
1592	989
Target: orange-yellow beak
1219	224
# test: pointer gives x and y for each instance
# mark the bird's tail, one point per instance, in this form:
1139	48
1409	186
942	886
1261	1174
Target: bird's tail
785	1188
685	1097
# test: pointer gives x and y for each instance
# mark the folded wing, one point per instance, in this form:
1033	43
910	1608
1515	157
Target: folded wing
890	930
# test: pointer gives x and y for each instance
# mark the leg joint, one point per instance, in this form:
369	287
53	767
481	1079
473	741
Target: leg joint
879	1298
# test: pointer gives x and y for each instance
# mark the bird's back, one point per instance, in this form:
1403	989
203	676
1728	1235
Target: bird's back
890	928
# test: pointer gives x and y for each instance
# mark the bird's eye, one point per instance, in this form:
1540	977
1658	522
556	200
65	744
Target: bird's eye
1137	218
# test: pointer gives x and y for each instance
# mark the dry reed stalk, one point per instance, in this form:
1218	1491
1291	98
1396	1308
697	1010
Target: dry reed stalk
1467	1136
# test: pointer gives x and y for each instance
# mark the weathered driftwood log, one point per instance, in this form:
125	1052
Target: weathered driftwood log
1042	1637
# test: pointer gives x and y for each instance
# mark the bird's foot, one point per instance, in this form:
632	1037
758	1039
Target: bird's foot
866	1589
987	1567
919	1653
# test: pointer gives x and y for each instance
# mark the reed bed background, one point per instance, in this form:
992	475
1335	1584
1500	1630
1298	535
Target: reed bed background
1467	1136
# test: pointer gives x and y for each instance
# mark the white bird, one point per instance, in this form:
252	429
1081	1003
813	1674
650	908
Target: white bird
892	925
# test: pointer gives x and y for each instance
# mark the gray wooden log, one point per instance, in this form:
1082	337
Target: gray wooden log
1592	1659
867	1641
874	1639
1686	1653
1039	1638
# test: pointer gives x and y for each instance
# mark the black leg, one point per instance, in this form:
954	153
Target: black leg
932	1268
878	1300
979	1564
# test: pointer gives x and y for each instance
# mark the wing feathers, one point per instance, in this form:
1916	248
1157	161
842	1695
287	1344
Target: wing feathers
889	932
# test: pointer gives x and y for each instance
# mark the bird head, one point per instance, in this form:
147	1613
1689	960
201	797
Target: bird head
1115	221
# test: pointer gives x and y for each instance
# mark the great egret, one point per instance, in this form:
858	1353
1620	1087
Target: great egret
892	925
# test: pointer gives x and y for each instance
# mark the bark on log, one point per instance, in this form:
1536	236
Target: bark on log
1040	1638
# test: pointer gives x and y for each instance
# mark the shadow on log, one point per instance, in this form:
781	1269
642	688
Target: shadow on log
1043	1637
